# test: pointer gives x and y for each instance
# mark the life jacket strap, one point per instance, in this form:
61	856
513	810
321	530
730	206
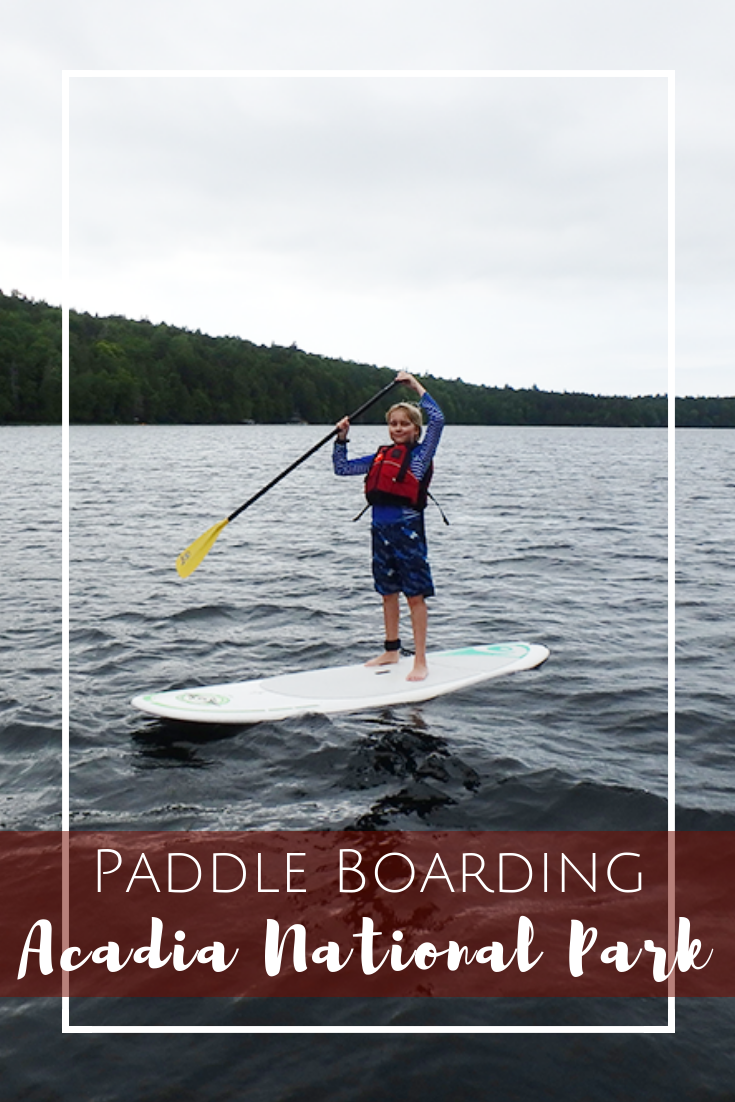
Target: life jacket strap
401	476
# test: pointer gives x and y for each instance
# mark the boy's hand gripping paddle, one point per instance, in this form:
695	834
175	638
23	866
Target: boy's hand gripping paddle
189	560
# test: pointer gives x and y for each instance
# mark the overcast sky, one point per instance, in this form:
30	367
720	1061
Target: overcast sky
505	231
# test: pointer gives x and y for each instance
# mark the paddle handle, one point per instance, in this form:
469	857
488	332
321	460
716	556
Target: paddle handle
361	409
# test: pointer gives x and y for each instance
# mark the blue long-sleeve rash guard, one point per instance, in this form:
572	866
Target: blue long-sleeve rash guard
421	457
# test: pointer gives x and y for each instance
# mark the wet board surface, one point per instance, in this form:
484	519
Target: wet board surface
341	688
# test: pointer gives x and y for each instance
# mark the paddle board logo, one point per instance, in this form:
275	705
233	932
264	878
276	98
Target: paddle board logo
208	699
514	650
504	648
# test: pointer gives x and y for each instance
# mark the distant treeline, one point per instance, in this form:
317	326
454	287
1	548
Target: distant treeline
123	371
705	413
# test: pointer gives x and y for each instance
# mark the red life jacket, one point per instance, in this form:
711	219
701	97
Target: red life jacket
390	480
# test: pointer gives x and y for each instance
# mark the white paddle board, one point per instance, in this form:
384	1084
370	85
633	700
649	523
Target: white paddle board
341	688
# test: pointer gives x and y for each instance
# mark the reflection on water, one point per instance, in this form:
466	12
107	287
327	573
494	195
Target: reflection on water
405	751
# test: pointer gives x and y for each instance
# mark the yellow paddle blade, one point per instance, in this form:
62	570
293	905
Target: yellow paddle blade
189	560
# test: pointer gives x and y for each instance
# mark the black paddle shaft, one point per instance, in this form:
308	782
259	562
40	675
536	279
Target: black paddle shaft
305	456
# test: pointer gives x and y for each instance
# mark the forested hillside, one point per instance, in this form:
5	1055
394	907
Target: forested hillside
30	361
124	371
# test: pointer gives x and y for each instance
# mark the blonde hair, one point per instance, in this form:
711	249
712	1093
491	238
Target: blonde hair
412	410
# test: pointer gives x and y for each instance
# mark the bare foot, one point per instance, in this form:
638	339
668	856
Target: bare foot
419	672
387	658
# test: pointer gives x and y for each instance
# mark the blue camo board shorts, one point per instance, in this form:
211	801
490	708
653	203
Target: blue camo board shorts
400	563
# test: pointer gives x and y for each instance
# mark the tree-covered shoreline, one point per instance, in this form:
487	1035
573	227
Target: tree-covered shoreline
123	372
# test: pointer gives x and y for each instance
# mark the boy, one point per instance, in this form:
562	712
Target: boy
396	486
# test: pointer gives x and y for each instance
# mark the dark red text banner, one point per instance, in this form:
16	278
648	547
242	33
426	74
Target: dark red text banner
265	914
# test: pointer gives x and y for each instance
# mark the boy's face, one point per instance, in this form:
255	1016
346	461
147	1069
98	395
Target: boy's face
401	428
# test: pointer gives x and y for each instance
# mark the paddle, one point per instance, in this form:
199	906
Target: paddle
189	560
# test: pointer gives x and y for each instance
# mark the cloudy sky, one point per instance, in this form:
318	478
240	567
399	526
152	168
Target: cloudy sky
504	230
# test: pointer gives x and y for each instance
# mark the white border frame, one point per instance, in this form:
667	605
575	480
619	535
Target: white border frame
345	74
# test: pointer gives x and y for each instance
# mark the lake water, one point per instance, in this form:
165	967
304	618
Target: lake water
30	633
557	536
